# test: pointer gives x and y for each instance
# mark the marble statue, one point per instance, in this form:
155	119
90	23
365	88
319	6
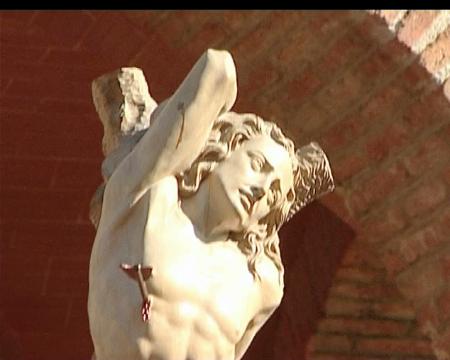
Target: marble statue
186	261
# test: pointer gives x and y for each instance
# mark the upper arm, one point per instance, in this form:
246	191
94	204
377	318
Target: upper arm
182	126
252	329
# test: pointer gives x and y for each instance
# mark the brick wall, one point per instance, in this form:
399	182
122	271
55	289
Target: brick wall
339	77
366	316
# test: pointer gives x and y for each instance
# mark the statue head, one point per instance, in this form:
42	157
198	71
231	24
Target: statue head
258	172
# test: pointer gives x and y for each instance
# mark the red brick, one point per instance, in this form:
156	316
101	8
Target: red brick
77	175
161	83
37	314
37	345
415	24
354	256
437	54
341	135
338	96
50	74
7	234
254	79
441	344
446	175
64	28
425	198
209	35
44	124
357	274
428	317
361	291
381	145
68	275
319	356
27	173
366	327
241	20
12	53
114	38
69	106
178	27
391	347
52	239
393	262
301	49
335	203
383	104
145	20
41	205
19	32
20	16
390	15
10	339
340	307
311	118
261	38
415	77
379	187
382	63
420	281
77	320
419	113
302	87
382	226
443	304
375	30
322	342
61	147
77	58
23	275
344	51
444	262
17	104
398	310
53	88
430	152
421	243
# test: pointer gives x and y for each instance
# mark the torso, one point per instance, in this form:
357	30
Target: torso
203	295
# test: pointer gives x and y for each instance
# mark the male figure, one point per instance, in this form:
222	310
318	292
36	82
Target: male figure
198	200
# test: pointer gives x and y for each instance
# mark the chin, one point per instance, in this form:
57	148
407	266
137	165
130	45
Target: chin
228	206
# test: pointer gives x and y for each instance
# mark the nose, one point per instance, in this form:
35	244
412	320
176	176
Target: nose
257	192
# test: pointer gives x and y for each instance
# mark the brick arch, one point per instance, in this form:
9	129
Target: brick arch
394	181
341	78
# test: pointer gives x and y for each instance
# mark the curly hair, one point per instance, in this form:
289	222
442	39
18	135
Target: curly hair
229	131
311	173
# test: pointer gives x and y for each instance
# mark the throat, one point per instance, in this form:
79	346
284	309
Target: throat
209	222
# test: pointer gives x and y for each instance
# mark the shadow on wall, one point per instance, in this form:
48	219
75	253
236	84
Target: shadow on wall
312	245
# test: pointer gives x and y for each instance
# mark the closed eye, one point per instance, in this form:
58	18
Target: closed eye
258	162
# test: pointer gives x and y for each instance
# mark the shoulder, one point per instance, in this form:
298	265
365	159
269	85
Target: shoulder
271	282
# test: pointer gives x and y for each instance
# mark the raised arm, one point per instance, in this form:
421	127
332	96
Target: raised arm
180	129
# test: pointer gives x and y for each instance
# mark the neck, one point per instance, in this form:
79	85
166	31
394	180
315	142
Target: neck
206	223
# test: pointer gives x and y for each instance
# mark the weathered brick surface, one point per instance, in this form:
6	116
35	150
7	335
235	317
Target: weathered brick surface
366	324
438	54
415	24
341	78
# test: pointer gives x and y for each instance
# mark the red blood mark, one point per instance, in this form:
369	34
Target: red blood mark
140	274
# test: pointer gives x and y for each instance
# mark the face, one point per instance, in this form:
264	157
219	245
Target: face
248	184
